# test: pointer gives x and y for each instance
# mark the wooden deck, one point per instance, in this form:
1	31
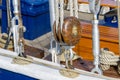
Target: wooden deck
108	39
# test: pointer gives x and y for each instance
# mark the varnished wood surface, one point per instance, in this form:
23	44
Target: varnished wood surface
108	39
70	32
88	66
109	3
32	51
109	34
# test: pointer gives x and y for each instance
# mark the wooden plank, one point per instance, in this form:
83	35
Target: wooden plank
110	72
32	51
108	3
108	39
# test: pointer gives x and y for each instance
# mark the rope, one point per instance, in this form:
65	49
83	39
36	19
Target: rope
20	61
69	74
118	14
76	8
3	38
61	14
57	13
71	7
107	59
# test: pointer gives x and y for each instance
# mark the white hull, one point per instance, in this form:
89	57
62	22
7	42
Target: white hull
42	72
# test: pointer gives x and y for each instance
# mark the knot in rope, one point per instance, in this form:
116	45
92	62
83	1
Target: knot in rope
107	59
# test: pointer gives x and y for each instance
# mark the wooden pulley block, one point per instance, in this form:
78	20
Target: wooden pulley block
66	1
70	32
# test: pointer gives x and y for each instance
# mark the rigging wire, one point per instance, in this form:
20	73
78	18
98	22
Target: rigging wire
118	13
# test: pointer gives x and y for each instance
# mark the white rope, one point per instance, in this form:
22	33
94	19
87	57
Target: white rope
71	7
57	12
118	14
76	8
107	59
61	13
52	50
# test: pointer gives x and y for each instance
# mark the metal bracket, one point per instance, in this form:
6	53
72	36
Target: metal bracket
94	6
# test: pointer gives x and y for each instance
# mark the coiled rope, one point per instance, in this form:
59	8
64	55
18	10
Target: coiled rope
108	58
3	38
